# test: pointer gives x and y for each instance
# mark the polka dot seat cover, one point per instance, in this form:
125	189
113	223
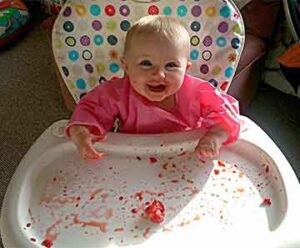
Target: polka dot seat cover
88	38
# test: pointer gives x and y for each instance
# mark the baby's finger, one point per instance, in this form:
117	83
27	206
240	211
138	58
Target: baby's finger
206	152
90	154
92	157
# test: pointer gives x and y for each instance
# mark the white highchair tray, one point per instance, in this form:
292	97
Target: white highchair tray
246	198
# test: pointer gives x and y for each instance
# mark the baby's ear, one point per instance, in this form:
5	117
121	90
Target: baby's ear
124	64
188	65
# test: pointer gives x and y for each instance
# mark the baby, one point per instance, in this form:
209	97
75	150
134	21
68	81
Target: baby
155	95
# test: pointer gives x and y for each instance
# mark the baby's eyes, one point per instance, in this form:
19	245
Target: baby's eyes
145	63
168	66
171	65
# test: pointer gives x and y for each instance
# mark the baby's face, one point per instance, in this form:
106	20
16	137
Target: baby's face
155	66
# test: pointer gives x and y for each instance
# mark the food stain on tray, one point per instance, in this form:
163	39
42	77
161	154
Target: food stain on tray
135	197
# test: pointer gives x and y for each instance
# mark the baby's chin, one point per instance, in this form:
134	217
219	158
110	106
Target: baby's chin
156	97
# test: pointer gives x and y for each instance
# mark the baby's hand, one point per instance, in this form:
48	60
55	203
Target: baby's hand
208	146
84	141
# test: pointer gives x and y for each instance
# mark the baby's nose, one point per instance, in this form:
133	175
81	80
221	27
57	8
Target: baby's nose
159	73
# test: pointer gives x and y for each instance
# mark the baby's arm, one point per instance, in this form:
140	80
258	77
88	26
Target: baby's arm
84	141
92	118
220	120
210	144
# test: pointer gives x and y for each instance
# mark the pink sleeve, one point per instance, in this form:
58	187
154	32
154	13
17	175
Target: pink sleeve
96	111
220	108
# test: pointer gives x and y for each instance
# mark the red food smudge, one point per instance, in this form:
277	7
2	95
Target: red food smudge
109	213
267	169
266	201
32	239
101	225
155	212
189	181
221	163
160	175
119	229
153	160
93	194
146	232
202	161
150	192
134	211
138	158
161	194
165	166
47	243
121	198
139	196
216	171
181	154
175	181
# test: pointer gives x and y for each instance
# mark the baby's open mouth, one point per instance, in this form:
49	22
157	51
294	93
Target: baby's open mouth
157	88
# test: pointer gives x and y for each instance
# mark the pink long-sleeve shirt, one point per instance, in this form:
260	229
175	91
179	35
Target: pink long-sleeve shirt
199	104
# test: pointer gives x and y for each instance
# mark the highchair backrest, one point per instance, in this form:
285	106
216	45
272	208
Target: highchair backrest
88	38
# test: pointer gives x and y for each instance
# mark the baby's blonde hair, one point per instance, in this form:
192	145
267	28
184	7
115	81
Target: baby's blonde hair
167	27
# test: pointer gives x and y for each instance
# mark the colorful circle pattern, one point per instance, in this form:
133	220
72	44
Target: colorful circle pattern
212	32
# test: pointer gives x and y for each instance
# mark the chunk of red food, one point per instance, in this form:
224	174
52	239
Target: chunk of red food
47	243
155	212
266	201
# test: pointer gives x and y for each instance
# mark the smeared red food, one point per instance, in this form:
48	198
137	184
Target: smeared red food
221	163
47	243
139	196
155	212
216	171
181	154
267	169
134	211
161	194
266	201
153	160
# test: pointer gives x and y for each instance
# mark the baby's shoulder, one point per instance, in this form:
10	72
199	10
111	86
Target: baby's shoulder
110	89
197	84
113	83
110	86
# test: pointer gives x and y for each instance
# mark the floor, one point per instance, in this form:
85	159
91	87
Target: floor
278	114
30	101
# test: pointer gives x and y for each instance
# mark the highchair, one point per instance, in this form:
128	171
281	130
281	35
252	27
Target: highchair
247	197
